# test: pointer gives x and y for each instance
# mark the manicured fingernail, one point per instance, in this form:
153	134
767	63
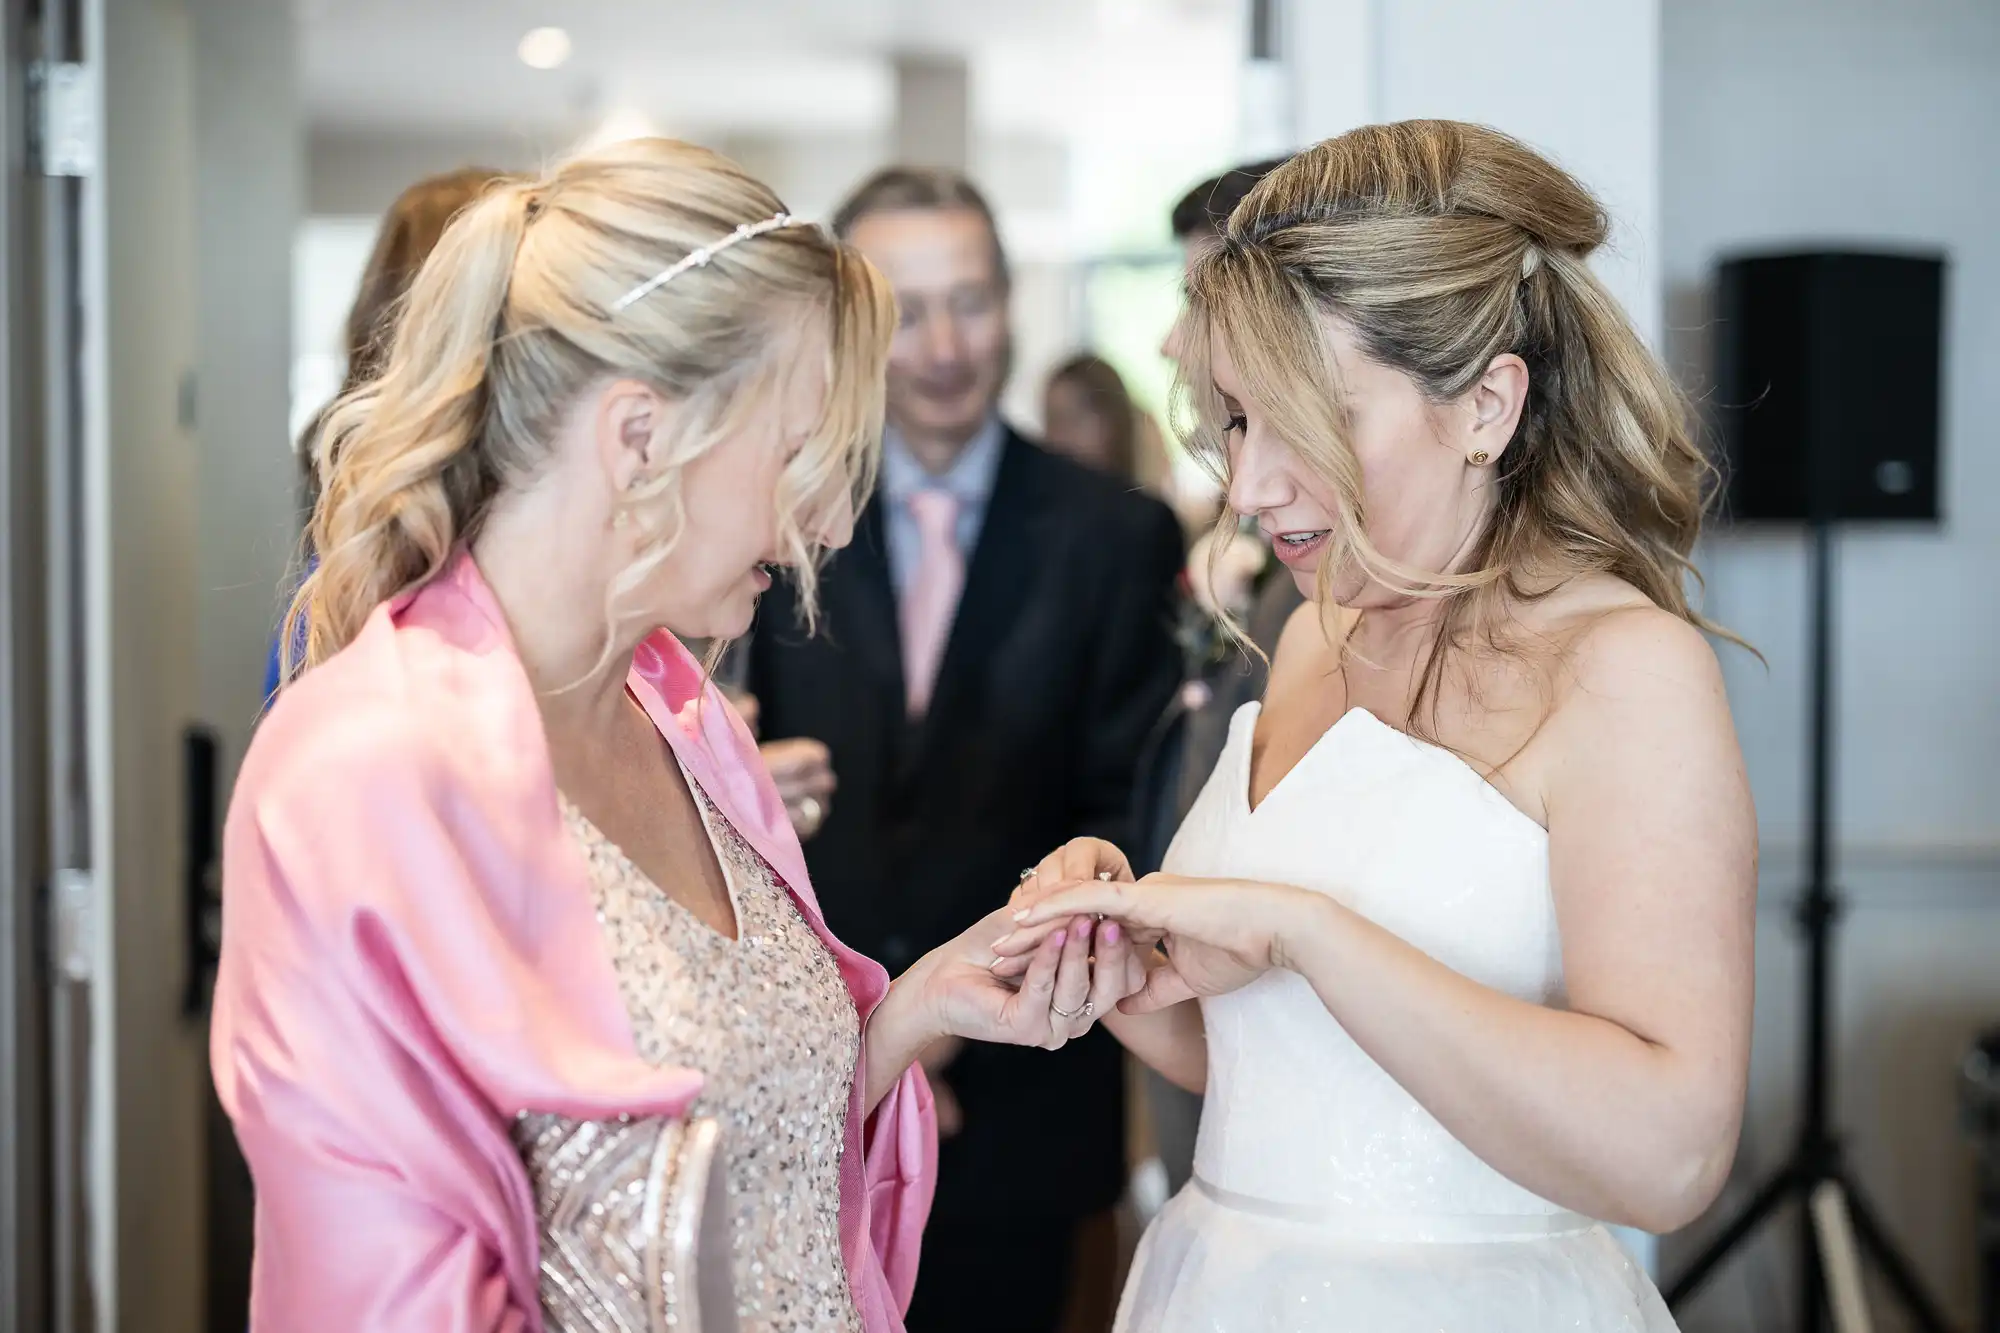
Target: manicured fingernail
1080	931
1111	933
1022	915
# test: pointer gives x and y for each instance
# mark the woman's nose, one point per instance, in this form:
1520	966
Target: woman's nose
1256	480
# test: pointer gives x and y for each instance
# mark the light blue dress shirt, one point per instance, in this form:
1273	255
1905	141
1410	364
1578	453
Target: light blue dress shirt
969	479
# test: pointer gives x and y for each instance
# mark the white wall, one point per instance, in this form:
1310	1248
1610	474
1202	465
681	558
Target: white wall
249	154
144	474
1808	122
186	256
249	163
1578	79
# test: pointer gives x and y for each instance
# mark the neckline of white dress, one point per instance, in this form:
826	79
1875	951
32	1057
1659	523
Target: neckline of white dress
1362	717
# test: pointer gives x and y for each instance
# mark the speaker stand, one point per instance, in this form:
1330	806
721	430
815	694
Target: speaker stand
1838	1226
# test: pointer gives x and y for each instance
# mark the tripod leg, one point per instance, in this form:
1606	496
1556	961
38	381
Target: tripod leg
1840	1259
1814	1307
1753	1213
1901	1277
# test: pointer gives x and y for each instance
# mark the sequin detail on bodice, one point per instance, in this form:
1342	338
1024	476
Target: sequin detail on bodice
769	1022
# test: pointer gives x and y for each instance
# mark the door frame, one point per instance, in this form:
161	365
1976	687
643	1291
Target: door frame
25	1179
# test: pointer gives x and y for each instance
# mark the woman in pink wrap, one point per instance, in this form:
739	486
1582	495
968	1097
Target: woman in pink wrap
514	919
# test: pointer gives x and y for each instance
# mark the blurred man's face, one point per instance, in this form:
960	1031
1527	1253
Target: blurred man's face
949	359
1192	248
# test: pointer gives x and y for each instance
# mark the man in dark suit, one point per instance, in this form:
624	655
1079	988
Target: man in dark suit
996	645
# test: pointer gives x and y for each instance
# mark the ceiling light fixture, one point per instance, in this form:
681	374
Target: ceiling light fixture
545	48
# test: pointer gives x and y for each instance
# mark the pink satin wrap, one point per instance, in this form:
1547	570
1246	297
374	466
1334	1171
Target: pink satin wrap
410	957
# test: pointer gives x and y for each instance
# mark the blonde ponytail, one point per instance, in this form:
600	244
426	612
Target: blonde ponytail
402	479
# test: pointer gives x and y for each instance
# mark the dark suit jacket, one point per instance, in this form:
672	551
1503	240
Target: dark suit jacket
1059	663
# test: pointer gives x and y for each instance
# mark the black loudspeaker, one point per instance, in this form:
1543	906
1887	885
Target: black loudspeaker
1828	379
1827	386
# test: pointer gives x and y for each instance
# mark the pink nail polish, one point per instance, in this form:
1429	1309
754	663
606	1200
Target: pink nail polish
1111	932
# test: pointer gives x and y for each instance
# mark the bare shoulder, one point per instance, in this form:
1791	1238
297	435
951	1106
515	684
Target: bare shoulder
1637	652
1636	680
1603	636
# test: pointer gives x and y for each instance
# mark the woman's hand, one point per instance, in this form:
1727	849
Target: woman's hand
802	768
1071	977
1075	861
1068	979
1218	935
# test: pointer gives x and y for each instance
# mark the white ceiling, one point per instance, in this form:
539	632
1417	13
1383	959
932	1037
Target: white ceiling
714	66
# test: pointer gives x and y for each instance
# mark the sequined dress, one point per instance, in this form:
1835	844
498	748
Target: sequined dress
1325	1198
769	1022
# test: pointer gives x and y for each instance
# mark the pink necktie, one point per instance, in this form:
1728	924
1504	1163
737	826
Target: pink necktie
931	600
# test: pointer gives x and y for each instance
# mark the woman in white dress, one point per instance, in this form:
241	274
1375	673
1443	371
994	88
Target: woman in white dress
1458	937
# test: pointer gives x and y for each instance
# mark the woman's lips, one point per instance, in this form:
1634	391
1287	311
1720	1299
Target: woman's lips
1299	549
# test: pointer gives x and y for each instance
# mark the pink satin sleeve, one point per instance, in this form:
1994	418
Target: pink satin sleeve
899	1172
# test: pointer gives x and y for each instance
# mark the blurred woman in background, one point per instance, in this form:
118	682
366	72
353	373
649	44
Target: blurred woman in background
1088	415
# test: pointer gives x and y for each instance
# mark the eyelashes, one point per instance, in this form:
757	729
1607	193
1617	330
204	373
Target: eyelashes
1235	422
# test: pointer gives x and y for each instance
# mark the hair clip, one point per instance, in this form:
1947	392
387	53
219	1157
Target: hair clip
699	258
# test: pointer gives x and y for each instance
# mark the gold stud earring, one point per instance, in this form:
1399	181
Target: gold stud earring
621	519
1478	458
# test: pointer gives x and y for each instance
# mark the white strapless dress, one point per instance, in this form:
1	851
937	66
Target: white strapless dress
1325	1199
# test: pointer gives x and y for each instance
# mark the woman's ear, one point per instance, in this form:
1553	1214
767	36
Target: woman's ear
1495	404
629	420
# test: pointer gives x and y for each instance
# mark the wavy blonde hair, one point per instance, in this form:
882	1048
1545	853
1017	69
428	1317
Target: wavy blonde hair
511	319
1440	246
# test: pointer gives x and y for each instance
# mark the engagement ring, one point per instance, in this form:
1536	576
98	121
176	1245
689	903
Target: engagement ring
1089	1008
